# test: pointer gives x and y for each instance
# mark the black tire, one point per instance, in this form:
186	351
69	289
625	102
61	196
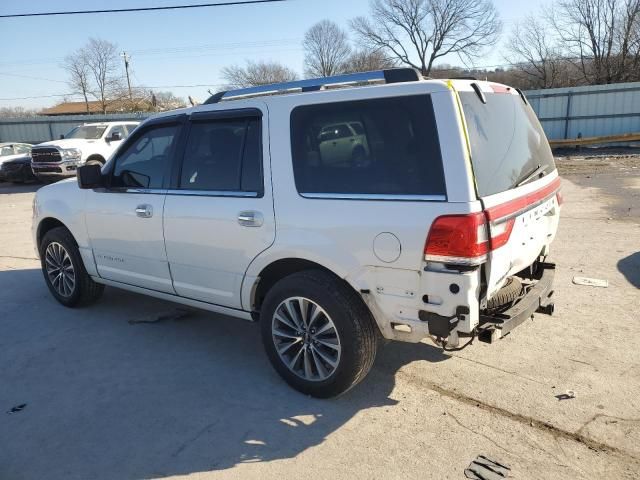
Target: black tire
507	294
353	321
85	291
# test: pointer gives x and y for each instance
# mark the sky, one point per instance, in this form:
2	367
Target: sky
181	51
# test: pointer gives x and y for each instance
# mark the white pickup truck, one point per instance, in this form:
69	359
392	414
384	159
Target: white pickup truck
88	143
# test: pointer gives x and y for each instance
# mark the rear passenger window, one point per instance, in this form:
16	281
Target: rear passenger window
223	155
383	146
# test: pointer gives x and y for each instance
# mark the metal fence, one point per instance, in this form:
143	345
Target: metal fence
42	129
591	111
573	112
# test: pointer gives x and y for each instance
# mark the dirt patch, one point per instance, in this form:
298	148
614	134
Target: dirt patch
615	173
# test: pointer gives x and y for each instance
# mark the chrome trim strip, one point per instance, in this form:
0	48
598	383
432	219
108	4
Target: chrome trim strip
186	193
212	193
157	191
368	196
471	261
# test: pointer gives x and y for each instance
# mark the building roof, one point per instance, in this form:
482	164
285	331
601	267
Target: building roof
95	107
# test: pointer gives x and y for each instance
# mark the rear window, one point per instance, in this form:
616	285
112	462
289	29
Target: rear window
383	146
507	141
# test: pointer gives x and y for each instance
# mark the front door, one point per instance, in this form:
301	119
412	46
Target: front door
124	221
219	213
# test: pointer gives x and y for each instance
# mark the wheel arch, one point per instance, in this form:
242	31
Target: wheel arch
280	268
47	224
97	157
50	222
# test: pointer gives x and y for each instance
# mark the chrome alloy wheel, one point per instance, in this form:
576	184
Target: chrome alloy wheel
60	270
306	339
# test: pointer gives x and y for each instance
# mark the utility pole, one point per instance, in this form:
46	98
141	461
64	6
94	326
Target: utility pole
126	68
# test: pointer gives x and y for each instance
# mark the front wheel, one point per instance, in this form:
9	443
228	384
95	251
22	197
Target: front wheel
95	161
318	334
64	272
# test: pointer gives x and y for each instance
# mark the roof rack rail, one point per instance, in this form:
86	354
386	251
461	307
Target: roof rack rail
394	75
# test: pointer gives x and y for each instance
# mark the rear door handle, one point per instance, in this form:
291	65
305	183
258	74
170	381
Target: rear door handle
250	219
144	211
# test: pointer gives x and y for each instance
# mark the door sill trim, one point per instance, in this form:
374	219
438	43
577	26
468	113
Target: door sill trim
232	312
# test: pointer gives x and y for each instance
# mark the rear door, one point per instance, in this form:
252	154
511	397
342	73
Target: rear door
219	212
515	177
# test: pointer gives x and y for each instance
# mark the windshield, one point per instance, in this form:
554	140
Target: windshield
507	141
87	132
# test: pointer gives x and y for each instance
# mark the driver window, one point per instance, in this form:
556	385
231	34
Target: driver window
144	162
117	129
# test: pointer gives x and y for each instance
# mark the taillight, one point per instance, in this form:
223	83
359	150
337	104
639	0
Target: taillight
465	239
560	197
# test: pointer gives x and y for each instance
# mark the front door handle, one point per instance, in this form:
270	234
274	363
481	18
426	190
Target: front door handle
250	219
144	211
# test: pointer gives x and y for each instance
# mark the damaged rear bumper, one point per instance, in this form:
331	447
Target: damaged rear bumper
537	299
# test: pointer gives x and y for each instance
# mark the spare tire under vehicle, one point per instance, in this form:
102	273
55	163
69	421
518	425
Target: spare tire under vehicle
509	292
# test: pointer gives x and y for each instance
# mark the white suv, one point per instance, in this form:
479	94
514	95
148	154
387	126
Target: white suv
438	225
88	143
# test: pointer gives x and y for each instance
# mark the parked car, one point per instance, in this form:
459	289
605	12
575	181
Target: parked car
89	143
17	170
343	143
235	206
12	151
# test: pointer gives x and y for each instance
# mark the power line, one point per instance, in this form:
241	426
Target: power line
69	94
42	96
162	52
140	9
33	78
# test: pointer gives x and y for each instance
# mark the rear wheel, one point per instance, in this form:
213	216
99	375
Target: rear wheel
64	272
318	334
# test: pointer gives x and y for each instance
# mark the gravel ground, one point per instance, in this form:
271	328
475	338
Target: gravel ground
137	388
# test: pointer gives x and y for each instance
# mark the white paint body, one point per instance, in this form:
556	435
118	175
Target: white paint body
194	251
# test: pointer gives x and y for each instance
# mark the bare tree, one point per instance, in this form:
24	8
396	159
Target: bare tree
257	73
166	101
368	61
326	49
601	36
536	54
15	112
78	69
418	32
103	64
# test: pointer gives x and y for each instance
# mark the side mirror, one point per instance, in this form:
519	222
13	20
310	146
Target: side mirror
115	136
62	136
90	176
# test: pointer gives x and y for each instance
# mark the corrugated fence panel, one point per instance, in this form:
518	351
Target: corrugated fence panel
589	111
42	129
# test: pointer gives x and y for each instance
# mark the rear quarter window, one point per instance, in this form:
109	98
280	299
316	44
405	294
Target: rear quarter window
385	146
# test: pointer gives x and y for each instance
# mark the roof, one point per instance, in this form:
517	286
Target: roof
115	106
